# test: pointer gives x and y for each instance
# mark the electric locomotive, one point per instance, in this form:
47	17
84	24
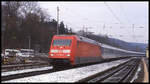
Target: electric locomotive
74	50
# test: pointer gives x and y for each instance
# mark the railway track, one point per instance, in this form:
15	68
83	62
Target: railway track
6	68
22	75
33	73
122	73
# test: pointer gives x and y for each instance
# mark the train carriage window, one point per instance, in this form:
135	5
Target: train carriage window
62	42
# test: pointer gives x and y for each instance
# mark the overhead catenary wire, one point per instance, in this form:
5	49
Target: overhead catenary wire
109	8
87	19
76	14
81	16
123	11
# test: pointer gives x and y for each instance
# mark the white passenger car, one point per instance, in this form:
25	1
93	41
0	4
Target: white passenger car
26	53
11	52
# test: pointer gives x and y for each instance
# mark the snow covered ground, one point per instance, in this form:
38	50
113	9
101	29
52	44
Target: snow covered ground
71	75
25	70
136	74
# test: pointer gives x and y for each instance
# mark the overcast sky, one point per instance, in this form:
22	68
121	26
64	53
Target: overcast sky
116	19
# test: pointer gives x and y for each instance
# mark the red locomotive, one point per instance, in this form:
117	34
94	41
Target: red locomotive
74	50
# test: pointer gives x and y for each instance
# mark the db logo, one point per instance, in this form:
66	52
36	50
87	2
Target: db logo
60	51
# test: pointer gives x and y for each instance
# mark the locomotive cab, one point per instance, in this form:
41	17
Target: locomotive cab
61	50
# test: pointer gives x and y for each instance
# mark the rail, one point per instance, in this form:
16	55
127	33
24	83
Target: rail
121	73
22	66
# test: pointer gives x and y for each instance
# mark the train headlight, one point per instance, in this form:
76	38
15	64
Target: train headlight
52	54
54	51
66	51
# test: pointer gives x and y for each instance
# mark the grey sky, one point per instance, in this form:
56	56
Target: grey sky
118	18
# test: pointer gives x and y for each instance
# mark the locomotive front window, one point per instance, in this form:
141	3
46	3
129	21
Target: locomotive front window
62	42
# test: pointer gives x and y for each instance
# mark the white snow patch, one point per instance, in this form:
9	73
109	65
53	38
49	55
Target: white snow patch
25	70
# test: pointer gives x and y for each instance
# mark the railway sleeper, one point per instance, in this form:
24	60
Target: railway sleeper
116	72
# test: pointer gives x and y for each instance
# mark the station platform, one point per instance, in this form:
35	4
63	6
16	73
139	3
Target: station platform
146	70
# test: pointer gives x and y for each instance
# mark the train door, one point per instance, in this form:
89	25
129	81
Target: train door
77	57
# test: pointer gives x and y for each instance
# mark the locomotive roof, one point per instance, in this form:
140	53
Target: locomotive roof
88	40
106	46
64	35
81	38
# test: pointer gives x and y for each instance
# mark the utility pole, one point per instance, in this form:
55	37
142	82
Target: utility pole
29	41
66	29
133	31
29	45
86	31
83	30
104	28
57	20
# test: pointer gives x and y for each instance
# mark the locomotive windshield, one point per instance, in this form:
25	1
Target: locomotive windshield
62	42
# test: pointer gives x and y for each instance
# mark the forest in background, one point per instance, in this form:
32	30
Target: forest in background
24	21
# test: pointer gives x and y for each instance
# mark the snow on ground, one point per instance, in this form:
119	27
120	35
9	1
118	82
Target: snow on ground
71	75
25	70
136	74
14	65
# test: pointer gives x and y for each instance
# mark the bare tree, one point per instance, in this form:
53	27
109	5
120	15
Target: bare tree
21	20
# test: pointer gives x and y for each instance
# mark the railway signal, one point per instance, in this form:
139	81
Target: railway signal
57	20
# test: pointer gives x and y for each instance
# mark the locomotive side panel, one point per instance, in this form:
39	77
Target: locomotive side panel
86	53
73	51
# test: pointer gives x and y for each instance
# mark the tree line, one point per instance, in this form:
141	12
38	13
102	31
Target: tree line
26	22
